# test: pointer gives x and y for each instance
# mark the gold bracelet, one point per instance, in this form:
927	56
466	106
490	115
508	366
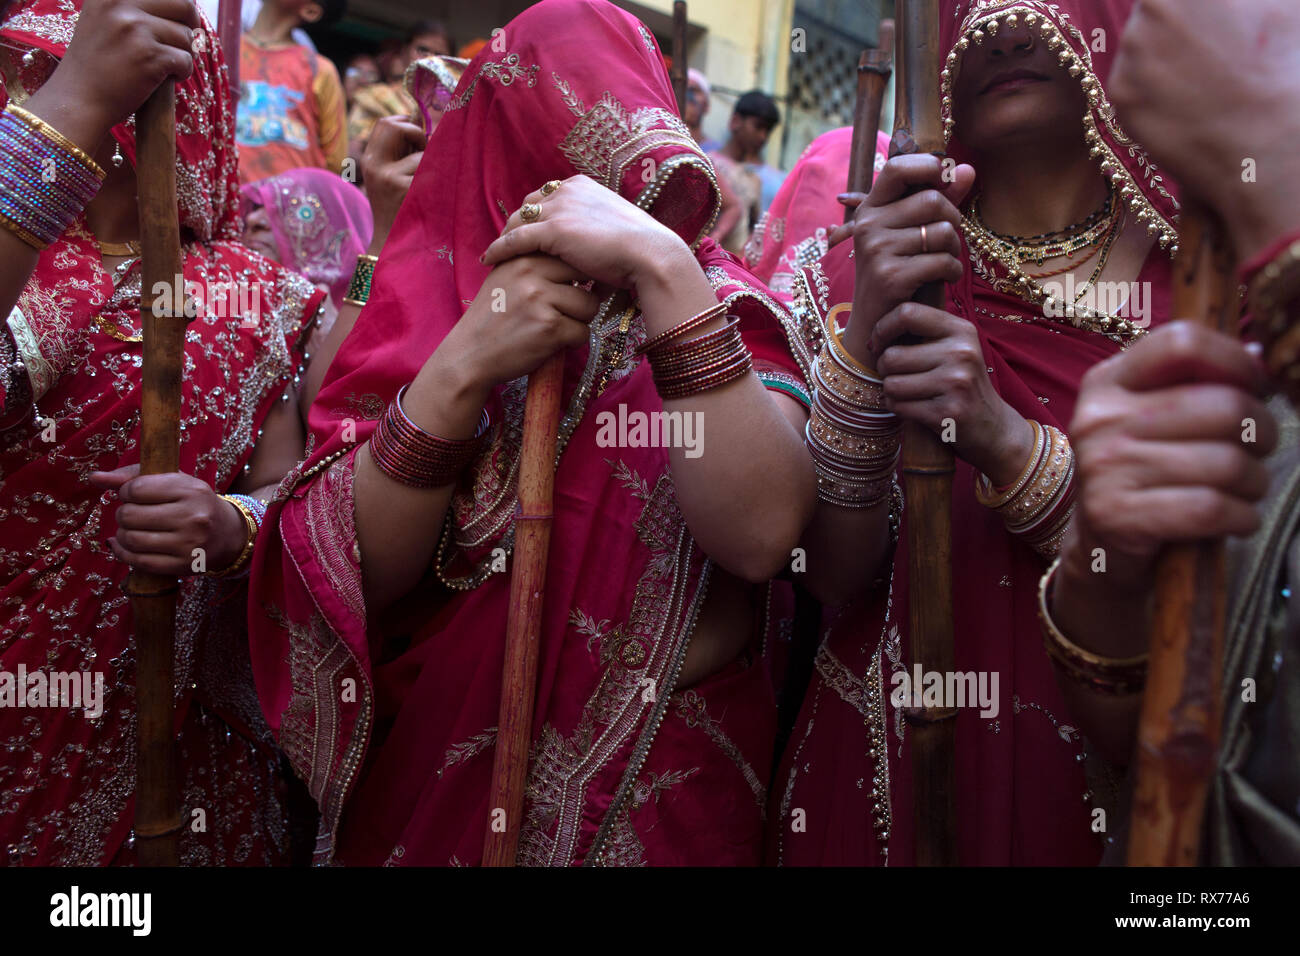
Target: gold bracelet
246	554
1105	675
59	139
359	288
836	344
990	497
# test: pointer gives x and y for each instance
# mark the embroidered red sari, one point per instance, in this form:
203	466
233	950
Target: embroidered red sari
392	721
844	786
66	779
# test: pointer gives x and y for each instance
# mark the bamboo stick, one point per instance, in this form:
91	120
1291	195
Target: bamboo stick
1182	709
874	70
153	597
927	476
524	618
679	77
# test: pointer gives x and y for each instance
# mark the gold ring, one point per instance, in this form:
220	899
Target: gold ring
925	241
550	187
530	212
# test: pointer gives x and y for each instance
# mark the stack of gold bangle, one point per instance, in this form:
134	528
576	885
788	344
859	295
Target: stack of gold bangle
852	437
1105	675
1037	506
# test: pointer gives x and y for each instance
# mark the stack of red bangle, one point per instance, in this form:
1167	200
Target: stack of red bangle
408	454
700	364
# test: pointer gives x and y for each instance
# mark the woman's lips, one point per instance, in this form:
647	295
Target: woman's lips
1015	80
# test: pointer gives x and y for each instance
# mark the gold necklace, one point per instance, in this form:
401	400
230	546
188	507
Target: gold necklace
1038	249
985	248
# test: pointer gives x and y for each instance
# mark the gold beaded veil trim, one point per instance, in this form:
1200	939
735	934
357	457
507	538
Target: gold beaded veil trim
1101	129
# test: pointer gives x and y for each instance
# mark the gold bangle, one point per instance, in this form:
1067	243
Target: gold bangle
246	554
58	138
1104	675
837	345
990	497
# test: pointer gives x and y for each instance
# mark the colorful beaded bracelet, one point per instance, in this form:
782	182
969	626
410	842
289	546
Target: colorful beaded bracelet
45	179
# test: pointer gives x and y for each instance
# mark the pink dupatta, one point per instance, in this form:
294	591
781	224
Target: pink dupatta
795	232
392	722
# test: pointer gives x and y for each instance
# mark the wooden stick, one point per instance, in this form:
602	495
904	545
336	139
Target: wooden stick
524	618
153	597
1182	709
927	476
679	55
874	70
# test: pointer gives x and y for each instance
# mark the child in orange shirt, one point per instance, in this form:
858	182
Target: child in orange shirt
291	106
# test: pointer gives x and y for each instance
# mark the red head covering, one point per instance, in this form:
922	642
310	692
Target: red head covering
569	86
1085	35
538	112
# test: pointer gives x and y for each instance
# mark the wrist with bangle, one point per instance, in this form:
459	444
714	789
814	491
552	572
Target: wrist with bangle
853	439
252	511
46	180
1114	677
411	456
1037	506
683	369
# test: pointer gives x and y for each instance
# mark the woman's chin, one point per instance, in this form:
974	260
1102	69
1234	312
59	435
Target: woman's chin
1016	119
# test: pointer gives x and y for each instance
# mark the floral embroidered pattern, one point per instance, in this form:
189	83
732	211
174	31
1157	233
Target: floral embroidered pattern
692	709
505	72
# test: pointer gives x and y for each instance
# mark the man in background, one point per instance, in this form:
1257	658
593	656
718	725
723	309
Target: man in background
740	163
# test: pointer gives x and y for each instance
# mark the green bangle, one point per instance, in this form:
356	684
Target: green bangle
359	288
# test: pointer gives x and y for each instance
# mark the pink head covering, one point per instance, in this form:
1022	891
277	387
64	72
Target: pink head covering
795	231
320	222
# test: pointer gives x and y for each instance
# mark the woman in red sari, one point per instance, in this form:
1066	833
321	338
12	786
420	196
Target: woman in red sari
1052	199
71	408
379	665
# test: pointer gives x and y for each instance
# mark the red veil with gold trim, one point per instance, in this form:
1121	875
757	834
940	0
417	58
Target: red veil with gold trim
392	723
1022	793
66	781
